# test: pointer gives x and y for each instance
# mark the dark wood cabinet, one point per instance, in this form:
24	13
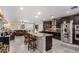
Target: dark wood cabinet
48	43
76	19
47	25
58	23
20	32
5	40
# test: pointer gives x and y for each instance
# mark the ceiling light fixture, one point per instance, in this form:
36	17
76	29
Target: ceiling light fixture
36	16
68	12
44	19
39	13
52	17
21	8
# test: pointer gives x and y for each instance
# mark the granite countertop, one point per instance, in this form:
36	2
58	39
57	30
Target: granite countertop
5	36
40	34
51	31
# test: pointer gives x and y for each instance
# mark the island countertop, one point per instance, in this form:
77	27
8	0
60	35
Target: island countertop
5	36
40	34
44	41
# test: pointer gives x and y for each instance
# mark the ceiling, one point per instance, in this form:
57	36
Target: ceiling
28	13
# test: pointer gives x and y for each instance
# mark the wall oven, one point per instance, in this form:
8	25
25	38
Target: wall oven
76	32
77	27
76	35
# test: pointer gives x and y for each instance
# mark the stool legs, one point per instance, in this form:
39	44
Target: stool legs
30	41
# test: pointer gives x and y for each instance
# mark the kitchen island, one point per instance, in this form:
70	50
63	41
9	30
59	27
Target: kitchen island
56	35
44	41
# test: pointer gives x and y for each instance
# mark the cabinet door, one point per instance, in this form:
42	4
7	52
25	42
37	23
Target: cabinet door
47	25
48	42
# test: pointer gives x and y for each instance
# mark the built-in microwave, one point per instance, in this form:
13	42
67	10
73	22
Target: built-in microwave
76	27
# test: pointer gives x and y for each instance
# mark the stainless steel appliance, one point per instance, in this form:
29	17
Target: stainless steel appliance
76	32
66	31
76	27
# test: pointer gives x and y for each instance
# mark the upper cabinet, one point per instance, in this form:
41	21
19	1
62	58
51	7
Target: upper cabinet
47	25
76	18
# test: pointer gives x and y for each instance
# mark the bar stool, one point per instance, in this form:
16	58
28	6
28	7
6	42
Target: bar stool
4	49
1	45
32	43
26	39
29	39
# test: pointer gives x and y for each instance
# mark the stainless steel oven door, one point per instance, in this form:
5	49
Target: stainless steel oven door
76	27
76	35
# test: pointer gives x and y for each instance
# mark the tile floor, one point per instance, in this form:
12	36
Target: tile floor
61	47
17	46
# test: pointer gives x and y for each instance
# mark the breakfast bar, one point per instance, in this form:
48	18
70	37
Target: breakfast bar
43	42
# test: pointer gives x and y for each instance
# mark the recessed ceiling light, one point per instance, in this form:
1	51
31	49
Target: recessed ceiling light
43	19
68	12
52	17
39	13
36	16
21	8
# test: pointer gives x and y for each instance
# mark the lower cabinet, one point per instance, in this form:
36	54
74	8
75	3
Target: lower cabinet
44	44
48	42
